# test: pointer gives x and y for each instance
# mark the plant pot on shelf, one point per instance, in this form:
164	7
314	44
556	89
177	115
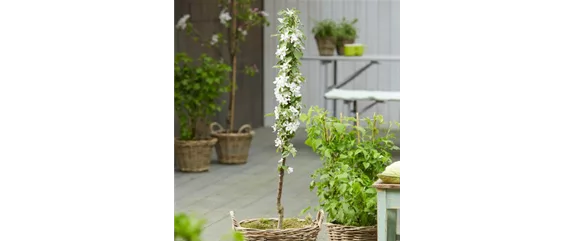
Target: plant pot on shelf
326	45
341	45
341	232
194	155
307	233
232	147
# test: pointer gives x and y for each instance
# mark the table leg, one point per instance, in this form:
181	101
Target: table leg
391	225
335	84
355	111
382	216
324	63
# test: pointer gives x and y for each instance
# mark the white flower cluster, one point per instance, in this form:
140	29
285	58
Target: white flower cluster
182	23
224	17
288	82
214	39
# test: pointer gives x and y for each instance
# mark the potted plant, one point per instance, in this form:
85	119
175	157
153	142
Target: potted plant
352	157
346	34
190	228
287	112
238	18
325	32
197	88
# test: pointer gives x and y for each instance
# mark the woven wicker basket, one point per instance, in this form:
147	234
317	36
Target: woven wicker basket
194	156
233	147
341	45
350	233
308	233
326	45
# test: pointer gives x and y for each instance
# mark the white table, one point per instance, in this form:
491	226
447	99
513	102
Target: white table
325	60
352	96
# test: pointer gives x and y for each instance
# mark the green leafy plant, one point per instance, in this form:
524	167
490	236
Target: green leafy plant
197	88
189	228
238	18
346	29
325	28
352	157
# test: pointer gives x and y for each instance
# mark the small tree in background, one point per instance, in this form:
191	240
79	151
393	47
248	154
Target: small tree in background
238	18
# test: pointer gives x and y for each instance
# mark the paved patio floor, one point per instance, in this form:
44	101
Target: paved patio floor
250	189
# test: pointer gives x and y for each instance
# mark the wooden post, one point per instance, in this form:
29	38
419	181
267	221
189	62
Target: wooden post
358	132
388	204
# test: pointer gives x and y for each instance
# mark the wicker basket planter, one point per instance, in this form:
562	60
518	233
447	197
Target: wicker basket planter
326	45
350	233
341	45
232	147
194	156
308	233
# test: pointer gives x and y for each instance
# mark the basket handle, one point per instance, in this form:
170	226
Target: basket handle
244	128
320	216
215	124
233	220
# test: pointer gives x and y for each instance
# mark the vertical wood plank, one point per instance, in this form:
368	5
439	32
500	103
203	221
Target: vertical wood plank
395	34
204	16
381	215
391	225
269	60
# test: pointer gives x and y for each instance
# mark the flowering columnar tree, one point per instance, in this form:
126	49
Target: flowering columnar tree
287	93
238	17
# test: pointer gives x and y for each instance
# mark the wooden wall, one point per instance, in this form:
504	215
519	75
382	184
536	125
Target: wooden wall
204	15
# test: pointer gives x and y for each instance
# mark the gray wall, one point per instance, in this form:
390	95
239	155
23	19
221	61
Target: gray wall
378	28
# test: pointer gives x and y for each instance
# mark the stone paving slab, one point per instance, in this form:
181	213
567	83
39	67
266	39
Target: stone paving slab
250	189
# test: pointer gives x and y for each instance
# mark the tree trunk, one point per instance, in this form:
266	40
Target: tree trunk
231	114
232	54
279	191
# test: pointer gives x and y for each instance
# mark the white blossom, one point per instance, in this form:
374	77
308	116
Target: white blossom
264	14
278	142
182	23
281	80
285	66
242	31
293	110
291	127
214	39
285	36
293	87
288	84
294	38
281	52
224	17
282	99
